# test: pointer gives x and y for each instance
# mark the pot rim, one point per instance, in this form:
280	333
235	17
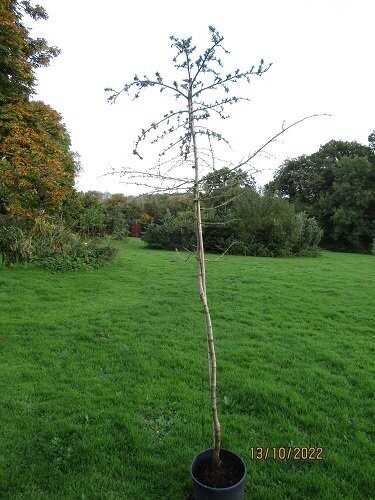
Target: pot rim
227	488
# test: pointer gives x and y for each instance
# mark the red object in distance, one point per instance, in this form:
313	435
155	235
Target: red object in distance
135	230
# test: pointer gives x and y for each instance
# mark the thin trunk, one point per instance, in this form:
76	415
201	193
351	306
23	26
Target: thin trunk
201	271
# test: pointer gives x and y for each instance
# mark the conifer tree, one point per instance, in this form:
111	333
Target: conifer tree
203	91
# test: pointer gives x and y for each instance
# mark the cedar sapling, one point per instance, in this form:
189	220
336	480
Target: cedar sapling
203	91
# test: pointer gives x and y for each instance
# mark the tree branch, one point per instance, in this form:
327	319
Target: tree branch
274	137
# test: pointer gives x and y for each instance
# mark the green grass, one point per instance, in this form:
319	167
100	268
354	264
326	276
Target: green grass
103	376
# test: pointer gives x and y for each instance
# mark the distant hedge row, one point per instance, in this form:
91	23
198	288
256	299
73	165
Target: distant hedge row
252	224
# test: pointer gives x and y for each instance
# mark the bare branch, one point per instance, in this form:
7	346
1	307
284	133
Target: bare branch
190	253
159	176
274	137
218	224
226	251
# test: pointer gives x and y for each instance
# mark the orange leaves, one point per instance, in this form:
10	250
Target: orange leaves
36	165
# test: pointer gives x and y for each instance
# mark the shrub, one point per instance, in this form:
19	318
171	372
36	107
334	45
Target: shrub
11	239
267	225
219	230
14	239
92	221
85	255
116	225
49	243
171	233
253	224
310	236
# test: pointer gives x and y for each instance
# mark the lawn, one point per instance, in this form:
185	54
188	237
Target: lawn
103	386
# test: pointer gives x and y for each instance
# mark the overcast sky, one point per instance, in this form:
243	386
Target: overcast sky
323	62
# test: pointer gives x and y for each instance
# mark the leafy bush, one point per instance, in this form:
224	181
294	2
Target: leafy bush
14	239
94	214
49	243
251	225
267	226
219	231
171	233
310	236
86	255
116	225
11	240
92	221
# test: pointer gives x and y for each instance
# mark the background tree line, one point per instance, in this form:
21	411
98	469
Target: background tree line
326	197
238	219
336	185
329	195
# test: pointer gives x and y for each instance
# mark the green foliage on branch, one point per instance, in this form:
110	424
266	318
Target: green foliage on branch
97	214
20	54
268	226
371	140
349	206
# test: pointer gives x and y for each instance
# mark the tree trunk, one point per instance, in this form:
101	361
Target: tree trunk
201	272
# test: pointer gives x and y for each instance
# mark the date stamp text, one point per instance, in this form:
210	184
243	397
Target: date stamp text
286	453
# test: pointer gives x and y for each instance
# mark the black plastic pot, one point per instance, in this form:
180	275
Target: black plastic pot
203	492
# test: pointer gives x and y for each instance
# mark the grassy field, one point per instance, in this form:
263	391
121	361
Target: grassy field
103	376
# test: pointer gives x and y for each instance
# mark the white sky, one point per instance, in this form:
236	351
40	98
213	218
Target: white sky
323	62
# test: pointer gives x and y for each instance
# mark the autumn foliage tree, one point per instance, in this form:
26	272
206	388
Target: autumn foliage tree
37	166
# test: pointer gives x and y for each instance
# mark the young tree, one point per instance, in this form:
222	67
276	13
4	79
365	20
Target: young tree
203	91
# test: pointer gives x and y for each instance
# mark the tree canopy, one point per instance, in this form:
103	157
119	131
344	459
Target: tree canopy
37	166
337	186
20	54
